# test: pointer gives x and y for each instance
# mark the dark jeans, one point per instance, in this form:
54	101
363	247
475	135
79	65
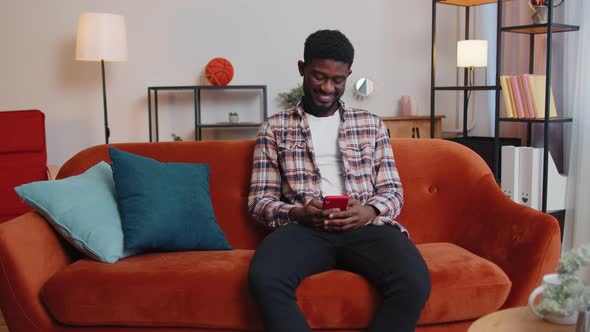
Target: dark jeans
382	254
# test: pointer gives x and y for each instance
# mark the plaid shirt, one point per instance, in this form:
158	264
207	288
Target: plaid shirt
285	173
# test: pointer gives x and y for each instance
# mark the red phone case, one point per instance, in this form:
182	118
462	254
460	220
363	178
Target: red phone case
333	202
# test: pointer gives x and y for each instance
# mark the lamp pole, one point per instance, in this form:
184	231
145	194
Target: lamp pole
107	131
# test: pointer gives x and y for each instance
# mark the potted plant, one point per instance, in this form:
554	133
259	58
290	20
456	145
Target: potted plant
289	99
571	295
234	117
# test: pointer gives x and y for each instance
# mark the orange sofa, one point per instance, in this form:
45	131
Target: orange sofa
484	252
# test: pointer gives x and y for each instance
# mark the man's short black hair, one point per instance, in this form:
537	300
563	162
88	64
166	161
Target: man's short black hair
328	44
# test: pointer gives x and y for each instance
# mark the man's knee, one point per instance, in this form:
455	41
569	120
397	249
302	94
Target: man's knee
413	288
420	286
265	278
257	276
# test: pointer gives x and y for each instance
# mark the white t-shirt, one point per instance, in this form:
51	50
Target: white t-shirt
324	135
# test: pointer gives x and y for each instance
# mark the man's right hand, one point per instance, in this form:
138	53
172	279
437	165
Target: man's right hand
311	215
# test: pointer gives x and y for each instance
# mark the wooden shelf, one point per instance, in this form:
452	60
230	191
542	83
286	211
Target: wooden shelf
534	29
467	3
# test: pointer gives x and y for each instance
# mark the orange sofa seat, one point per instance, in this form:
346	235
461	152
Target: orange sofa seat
484	252
210	290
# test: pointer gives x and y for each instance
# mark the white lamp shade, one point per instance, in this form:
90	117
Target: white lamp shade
101	36
472	53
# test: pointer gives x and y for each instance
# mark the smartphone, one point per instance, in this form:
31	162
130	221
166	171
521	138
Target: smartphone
333	202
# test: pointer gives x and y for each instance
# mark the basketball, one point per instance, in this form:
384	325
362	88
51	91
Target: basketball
219	71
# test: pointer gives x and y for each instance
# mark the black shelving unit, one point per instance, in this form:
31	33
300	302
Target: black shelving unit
153	94
533	30
530	29
466	4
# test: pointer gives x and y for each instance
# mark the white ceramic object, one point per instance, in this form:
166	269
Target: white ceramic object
234	118
550	279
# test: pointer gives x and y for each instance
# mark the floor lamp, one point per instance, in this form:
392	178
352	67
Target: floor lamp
101	37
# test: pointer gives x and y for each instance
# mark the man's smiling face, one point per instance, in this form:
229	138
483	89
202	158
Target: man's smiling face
324	82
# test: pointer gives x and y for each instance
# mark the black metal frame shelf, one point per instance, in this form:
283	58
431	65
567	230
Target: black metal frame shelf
530	122
231	125
197	106
536	29
466	3
556	120
465	87
531	29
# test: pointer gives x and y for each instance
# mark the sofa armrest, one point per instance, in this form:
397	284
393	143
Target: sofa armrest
522	241
30	253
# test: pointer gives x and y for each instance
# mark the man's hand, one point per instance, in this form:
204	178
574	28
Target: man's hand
311	215
356	216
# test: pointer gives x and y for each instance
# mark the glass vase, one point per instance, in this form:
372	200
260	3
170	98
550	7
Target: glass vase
539	15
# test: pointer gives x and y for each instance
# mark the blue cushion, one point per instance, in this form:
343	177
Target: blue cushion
165	206
83	209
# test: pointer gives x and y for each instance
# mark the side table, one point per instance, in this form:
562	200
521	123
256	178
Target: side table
519	319
412	126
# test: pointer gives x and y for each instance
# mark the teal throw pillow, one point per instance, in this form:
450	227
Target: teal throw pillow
165	206
83	209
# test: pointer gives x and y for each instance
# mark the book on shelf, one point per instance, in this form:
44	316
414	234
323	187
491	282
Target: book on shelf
508	102
528	100
517	97
524	97
537	87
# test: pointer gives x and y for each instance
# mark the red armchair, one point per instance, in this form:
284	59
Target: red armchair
23	157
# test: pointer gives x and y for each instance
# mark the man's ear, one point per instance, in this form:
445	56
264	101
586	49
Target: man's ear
301	66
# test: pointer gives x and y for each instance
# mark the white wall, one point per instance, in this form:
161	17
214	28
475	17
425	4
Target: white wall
170	42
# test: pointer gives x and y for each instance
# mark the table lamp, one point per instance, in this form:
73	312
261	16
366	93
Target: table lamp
101	37
472	54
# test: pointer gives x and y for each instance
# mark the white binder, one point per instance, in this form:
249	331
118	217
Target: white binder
509	172
531	180
556	185
529	175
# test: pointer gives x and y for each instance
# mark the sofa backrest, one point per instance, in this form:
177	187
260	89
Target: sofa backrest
230	163
23	157
436	176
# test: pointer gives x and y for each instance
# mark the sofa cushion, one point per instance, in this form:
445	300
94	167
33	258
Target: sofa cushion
83	210
165	205
208	289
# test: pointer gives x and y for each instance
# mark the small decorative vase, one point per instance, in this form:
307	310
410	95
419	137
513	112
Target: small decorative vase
557	318
409	106
234	118
539	15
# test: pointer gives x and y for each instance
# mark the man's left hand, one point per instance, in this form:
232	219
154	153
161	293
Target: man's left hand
356	216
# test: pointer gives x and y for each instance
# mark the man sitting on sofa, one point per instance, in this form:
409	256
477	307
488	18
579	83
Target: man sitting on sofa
320	148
